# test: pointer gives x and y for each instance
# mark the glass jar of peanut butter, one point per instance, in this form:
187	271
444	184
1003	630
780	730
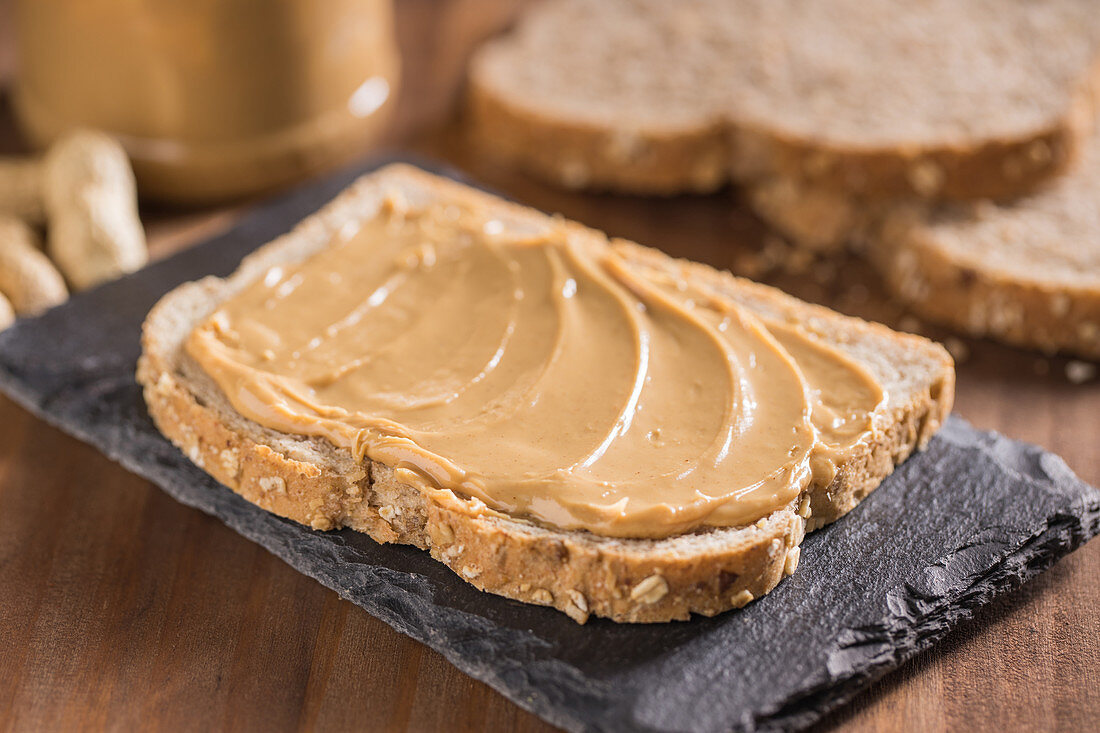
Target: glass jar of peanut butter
211	98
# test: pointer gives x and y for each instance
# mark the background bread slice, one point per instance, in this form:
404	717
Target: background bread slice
1025	271
310	481
945	98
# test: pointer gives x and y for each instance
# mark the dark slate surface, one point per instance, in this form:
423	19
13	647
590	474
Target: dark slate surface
975	515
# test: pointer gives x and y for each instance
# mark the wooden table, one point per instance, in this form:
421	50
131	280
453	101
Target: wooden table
120	608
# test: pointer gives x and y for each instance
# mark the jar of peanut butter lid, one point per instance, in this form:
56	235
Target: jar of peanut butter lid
211	98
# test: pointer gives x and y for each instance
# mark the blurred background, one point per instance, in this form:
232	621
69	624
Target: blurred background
1029	656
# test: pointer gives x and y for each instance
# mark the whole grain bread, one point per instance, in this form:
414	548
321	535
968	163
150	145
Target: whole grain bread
706	571
952	99
1025	271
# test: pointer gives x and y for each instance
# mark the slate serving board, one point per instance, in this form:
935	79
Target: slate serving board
973	516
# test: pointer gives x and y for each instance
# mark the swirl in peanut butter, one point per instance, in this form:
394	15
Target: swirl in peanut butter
544	377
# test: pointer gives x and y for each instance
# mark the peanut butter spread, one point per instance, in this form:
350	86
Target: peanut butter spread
546	376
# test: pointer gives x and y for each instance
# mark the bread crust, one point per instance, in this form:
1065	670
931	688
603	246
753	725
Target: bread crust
714	152
705	158
585	156
706	572
983	300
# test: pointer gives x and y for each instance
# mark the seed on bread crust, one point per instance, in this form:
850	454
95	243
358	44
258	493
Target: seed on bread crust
442	534
798	533
925	177
740	600
543	596
230	462
269	484
650	590
804	509
791	563
577	608
194	452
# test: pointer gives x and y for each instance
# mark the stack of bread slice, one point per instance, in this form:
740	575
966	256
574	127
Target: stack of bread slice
1026	271
951	137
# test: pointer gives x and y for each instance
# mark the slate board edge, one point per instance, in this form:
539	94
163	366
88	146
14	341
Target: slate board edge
1061	534
1035	558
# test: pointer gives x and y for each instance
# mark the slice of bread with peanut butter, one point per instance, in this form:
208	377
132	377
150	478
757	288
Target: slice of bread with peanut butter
561	419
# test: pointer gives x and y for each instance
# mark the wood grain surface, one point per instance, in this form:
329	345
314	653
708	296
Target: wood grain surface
121	609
